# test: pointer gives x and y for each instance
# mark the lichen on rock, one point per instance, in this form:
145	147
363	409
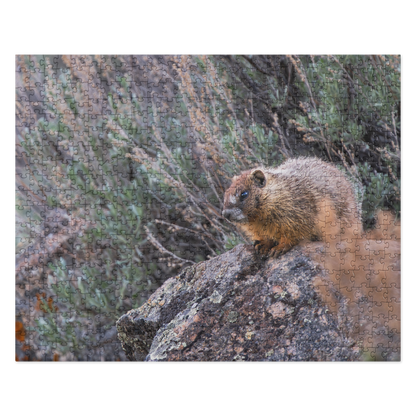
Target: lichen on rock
238	307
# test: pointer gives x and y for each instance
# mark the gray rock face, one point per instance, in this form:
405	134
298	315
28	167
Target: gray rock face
234	307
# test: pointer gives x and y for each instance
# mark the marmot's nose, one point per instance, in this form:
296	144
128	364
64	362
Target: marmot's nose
226	213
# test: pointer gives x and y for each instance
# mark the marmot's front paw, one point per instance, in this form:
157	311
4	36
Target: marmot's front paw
278	251
283	247
270	248
263	247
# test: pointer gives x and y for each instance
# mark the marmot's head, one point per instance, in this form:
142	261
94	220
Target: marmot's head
242	200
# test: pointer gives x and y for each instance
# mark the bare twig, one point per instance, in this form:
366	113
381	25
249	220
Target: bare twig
159	246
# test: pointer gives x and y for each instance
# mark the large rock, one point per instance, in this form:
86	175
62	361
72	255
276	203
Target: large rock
238	306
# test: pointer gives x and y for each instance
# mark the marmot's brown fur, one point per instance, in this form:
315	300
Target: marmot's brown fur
303	198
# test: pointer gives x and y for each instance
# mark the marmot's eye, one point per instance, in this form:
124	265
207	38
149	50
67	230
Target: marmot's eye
244	195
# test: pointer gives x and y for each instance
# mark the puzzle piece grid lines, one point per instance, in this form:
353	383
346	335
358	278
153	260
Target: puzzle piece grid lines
96	141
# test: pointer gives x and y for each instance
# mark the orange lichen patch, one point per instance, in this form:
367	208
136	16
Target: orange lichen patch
20	331
43	305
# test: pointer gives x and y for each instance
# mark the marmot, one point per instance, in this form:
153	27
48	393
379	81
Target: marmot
304	198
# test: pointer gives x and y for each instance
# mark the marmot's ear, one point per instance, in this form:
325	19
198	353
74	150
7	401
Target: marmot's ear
259	177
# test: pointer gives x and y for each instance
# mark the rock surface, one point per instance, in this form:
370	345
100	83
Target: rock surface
238	307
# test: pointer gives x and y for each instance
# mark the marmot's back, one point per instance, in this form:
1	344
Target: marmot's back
326	180
303	198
